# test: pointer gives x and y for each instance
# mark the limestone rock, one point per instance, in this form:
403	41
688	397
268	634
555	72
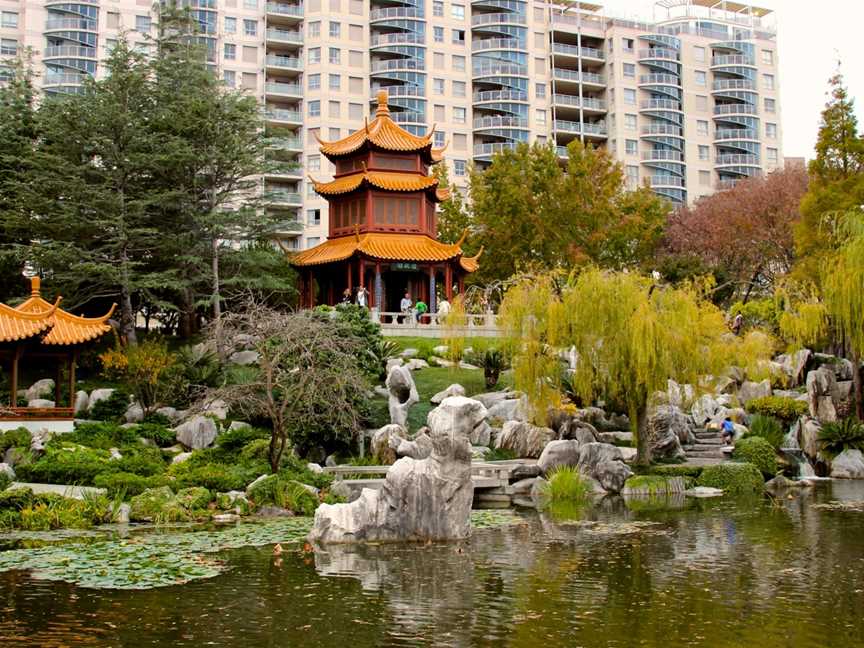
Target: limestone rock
402	395
615	438
420	500
197	433
122	514
680	395
314	468
524	439
418	448
394	362
217	408
751	390
170	413
385	441
666	446
225	518
538	491
99	395
523	486
849	464
478	453
409	352
134	413
181	457
238	425
40	389
14	456
7	471
667	419
416	363
114	454
40	402
703	491
602	421
578	430
704	409
821	387
794	365
491	398
441	350
605	463
523	471
510	409
244	358
255	482
558	453
82	402
340	489
482	434
452	390
39	438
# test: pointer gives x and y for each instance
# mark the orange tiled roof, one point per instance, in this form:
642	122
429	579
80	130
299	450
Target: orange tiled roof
389	180
15	325
470	264
379	245
65	328
383	133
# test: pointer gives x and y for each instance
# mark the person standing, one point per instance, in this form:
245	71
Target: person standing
420	309
737	323
346	296
362	297
405	306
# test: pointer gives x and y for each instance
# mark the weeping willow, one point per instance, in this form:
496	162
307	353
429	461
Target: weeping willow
455	326
803	317
630	337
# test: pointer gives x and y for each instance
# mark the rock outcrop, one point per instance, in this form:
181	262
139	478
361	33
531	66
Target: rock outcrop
558	453
524	439
605	464
452	390
402	394
849	464
420	500
197	433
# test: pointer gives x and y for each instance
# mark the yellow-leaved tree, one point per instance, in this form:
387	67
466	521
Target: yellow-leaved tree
629	335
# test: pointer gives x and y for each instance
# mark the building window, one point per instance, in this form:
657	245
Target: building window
355	111
314	81
438	139
459	63
250	80
230	52
314	55
631	147
702	128
631	172
313	162
438	111
250	27
313	29
770	105
313	217
230	25
704	153
315	108
628	44
335	82
229	77
438	60
356	85
629	70
540	116
334	109
457	11
250	4
8	18
699	54
768	57
701	103
772	155
438	34
630	122
540	90
701	78
335	29
704	178
771	131
335	56
438	86
250	54
8	47
768	81
355	33
458	115
334	134
142	24
438	8
458	37
458	88
630	96
459	168
312	241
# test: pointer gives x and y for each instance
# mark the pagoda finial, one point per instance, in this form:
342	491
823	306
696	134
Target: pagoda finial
382	104
35	284
463	237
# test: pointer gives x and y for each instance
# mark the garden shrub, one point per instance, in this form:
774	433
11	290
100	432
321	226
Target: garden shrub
18	438
759	452
780	407
149	369
768	428
500	454
5	480
732	477
649	484
194	498
285	493
156	504
100	435
214	476
127	484
256	451
758	313
847	434
22	509
676	471
295	469
66	463
160	434
140	460
565	483
112	408
234	440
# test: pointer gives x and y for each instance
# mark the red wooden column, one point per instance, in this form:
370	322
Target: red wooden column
462	286
448	281
350	279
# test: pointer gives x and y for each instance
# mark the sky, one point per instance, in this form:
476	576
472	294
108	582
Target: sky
812	36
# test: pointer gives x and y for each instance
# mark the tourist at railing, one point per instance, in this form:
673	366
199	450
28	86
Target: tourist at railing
406	307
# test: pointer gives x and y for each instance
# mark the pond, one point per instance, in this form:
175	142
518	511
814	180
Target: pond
680	572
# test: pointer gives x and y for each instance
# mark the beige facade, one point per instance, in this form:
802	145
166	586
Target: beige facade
688	104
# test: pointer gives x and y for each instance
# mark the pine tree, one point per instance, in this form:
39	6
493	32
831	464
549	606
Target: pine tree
839	147
453	217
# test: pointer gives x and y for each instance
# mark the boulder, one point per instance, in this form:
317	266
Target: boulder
134	413
821	387
558	453
181	457
197	433
420	500
238	425
418	448
510	409
402	394
150	503
170	413
452	390
314	468
254	483
82	402
39	438
539	491
7	471
491	398
409	353
40	402
844	399
794	366
602	421
725	385
122	514
703	492
14	456
385	441
704	409
416	363
578	430
340	489
225	518
605	463
330	461
751	390
523	471
849	464
217	408
667	419
666	445
441	350
679	395
40	389
482	434
523	486
244	358
99	395
478	453
114	454
381	391
524	439
615	438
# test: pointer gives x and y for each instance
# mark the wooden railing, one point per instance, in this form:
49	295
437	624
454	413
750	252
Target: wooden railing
36	413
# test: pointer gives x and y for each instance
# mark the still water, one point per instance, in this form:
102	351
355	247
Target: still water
719	573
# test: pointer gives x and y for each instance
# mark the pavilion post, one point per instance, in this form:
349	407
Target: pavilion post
462	286
350	280
58	382
73	362
14	378
448	283
433	298
379	289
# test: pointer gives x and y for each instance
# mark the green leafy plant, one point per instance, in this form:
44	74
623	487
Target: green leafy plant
199	365
759	452
500	454
127	484
847	434
66	463
161	435
18	438
493	361
780	407
112	408
768	428
283	492
732	477
101	435
676	471
565	483
381	351
149	369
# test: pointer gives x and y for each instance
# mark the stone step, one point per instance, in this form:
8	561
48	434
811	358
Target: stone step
707	435
705	444
705	454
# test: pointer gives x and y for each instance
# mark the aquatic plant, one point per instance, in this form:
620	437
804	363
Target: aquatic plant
732	477
566	483
676	471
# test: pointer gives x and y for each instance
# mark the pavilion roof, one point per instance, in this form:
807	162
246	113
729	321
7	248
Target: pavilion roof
387	246
388	180
385	134
63	328
15	325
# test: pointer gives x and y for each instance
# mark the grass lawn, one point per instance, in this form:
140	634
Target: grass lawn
425	345
431	381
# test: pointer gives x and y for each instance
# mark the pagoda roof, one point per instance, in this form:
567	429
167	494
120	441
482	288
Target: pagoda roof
387	246
15	325
383	134
387	180
60	327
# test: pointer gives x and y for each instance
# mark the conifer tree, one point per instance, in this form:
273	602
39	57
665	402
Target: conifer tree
453	217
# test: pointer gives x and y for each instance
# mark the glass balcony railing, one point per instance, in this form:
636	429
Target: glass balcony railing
499	18
408	117
286	62
659	53
69	51
391	13
284	143
573	75
398	64
662	156
500	122
292	169
399	91
585	128
573	50
289	89
500	69
736	109
283	115
588	103
735	59
734	84
727	134
401	38
733	159
70	23
486	150
662	129
64	79
284	35
660	104
500	95
666	181
284	9
660	79
283	197
497	43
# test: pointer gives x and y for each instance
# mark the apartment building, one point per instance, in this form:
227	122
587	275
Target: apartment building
688	103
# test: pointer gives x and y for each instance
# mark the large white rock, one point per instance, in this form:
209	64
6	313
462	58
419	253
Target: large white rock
849	464
82	402
452	390
7	471
170	413
666	420
821	387
510	409
385	441
134	413
416	363
40	389
197	433
524	439
420	500
558	453
40	402
751	390
244	358
703	410
217	408
482	434
98	395
402	395
604	463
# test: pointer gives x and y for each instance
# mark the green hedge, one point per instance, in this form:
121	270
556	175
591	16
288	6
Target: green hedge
676	471
732	477
759	452
785	409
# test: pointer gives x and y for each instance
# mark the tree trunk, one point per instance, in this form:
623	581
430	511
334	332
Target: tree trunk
643	448
217	302
127	316
277	448
186	325
857	385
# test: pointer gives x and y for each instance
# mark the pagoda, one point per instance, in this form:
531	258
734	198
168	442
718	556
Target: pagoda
382	232
39	330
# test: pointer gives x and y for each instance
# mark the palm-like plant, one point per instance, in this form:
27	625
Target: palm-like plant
847	434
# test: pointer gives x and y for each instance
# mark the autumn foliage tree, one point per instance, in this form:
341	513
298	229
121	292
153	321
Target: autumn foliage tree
744	233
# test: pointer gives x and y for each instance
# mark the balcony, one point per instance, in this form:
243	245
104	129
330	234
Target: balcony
69	51
401	38
662	156
398	64
665	181
281	116
733	159
283	198
488	150
586	103
736	109
660	104
482	123
733	84
281	9
583	52
408	117
499	69
659	54
396	91
290	63
64	79
290	227
497	44
660	79
289	90
289	144
62	24
733	60
396	13
284	36
500	95
728	134
284	170
572	75
663	130
580	128
514	18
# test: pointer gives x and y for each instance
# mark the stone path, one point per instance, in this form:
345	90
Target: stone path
707	450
